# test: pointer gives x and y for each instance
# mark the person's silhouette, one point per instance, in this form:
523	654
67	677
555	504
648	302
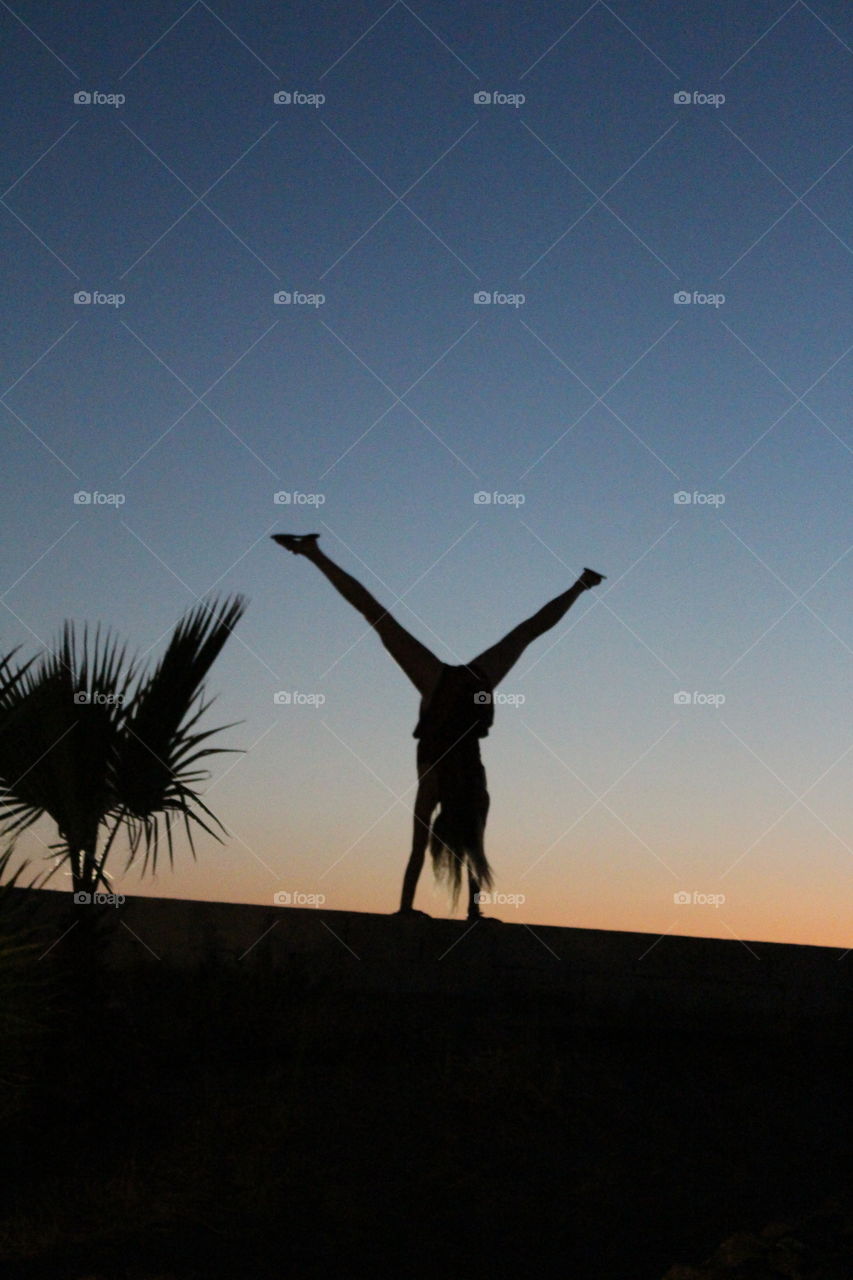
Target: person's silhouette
456	711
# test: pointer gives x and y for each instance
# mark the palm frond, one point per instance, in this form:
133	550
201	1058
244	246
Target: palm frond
78	746
153	778
59	725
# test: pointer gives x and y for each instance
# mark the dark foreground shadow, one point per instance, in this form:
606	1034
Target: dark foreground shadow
231	1122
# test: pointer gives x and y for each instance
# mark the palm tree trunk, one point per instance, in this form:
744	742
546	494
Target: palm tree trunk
99	865
77	883
90	876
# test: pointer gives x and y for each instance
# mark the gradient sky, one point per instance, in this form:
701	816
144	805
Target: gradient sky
595	400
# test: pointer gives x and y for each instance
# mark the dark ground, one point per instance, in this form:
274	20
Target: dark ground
231	1123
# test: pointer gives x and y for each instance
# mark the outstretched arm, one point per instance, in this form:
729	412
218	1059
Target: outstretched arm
420	665
497	661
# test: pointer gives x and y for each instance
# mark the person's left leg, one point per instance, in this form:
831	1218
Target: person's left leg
502	657
426	801
474	909
422	667
474	912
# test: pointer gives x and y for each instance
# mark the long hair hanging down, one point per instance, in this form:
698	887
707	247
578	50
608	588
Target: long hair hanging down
459	712
456	834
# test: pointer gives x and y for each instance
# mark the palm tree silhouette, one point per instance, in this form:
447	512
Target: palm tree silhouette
99	745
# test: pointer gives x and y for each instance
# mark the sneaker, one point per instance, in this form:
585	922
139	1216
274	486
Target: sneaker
295	542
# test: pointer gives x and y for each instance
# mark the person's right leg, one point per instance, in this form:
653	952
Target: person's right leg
501	657
474	909
420	665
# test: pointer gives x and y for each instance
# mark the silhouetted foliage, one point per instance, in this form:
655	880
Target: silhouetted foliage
99	744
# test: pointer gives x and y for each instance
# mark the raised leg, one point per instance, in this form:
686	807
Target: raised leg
420	665
502	657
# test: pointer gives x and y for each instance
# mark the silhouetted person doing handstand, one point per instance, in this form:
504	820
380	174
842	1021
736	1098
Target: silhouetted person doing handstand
456	711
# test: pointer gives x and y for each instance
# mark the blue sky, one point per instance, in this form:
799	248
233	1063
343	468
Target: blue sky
581	399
